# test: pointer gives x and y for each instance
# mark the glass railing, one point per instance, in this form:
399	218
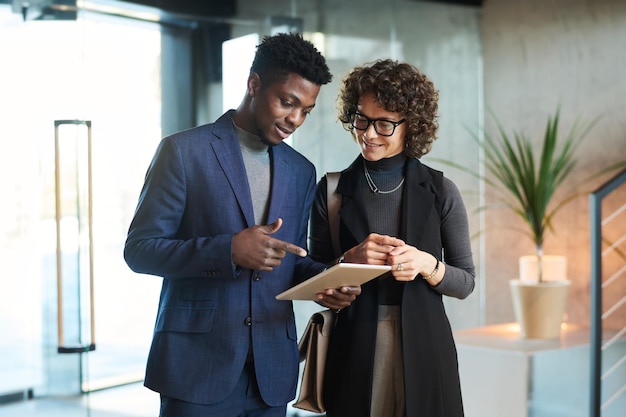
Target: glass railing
608	298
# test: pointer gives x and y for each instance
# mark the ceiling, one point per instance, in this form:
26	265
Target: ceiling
228	8
172	11
221	8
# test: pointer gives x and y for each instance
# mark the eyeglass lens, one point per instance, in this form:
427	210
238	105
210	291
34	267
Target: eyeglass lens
383	127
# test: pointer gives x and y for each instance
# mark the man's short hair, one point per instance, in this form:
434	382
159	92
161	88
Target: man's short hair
279	55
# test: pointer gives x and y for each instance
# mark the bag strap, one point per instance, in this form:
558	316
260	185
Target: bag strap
333	203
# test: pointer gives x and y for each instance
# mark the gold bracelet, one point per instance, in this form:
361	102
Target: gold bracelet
432	274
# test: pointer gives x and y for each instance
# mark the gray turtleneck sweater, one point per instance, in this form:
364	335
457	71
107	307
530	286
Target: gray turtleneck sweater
256	158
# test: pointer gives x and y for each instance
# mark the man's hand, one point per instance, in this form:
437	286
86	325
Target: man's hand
254	248
338	298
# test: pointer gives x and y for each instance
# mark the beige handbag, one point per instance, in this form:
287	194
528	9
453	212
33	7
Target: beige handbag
313	345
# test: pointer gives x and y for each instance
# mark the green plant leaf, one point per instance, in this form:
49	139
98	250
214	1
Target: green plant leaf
525	182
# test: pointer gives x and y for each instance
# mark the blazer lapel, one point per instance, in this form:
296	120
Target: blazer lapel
228	155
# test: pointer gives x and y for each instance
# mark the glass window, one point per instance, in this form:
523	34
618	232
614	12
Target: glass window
107	71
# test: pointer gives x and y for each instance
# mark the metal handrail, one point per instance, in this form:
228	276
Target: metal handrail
595	201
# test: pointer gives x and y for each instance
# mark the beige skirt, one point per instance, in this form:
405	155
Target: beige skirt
388	384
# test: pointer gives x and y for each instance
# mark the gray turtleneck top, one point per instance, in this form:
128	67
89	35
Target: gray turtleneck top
383	213
256	158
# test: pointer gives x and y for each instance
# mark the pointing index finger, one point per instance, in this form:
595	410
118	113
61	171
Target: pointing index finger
296	250
289	247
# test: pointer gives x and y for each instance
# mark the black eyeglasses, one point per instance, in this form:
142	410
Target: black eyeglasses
383	127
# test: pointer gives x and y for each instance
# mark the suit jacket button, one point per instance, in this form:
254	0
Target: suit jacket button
248	321
256	277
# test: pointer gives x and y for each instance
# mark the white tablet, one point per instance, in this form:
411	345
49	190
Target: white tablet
340	275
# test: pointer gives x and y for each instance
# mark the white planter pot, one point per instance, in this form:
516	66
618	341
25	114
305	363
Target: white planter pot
539	308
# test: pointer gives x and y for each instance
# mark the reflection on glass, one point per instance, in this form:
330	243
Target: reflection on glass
108	71
74	217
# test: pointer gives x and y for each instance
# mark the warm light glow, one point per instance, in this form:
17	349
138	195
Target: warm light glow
512	327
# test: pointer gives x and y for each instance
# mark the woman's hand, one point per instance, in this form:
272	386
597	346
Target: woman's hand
374	250
407	262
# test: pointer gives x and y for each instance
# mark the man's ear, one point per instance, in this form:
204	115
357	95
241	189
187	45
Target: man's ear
254	84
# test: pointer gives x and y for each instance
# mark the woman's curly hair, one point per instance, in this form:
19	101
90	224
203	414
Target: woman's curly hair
397	87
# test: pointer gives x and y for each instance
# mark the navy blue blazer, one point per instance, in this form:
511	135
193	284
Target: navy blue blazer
195	198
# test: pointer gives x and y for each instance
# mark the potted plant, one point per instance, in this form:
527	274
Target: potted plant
526	183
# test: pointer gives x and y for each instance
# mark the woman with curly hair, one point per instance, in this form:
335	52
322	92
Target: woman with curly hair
392	353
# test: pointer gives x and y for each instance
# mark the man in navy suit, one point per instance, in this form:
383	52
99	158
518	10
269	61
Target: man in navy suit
223	218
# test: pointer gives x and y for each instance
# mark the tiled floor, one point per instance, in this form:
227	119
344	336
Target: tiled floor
133	400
